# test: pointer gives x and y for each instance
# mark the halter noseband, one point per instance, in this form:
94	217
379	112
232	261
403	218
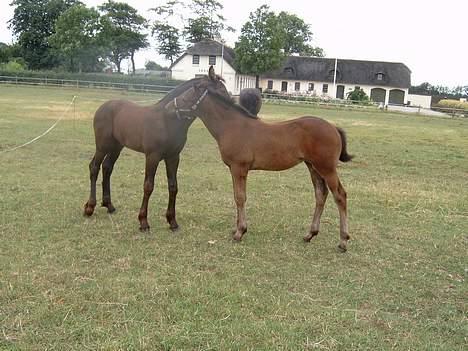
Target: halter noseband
192	109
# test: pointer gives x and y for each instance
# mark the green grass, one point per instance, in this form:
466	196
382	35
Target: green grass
74	283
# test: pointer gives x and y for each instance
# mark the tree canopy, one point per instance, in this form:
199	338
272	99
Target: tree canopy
122	27
171	29
261	43
33	23
206	21
77	37
266	39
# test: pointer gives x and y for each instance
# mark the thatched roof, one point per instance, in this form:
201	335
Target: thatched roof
209	47
317	69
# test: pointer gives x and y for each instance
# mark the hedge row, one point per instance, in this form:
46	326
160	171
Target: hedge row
97	77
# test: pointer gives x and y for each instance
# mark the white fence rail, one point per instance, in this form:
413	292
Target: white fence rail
75	83
163	89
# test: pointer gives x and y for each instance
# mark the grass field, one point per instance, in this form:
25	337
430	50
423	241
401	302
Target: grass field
74	283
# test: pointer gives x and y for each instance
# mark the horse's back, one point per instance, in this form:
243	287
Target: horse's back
120	122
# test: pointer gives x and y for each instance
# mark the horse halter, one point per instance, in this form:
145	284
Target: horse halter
192	109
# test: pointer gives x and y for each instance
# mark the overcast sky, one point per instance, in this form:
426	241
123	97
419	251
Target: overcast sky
430	37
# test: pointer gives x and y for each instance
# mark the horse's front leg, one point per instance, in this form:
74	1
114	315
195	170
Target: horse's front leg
239	182
172	164
152	161
94	166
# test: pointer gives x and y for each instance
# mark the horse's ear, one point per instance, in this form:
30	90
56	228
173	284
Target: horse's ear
211	73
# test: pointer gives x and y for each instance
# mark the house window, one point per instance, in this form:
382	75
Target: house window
212	60
380	76
270	85
325	88
311	87
196	59
297	86
284	86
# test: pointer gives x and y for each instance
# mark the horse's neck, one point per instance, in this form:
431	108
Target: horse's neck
215	118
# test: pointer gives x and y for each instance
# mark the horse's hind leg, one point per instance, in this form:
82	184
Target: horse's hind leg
321	193
94	166
172	164
107	167
239	181
339	194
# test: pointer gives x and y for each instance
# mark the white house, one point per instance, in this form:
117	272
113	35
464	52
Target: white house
198	58
386	82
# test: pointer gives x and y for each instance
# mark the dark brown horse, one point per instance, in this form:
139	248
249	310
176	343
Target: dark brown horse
247	143
152	130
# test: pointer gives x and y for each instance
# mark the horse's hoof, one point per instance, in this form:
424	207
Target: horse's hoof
88	211
110	209
174	228
144	229
342	248
309	236
237	237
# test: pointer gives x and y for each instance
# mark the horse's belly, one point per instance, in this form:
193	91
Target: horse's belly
129	138
275	162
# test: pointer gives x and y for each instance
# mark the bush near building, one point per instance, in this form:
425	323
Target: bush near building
450	103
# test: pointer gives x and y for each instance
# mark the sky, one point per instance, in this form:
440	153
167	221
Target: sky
429	36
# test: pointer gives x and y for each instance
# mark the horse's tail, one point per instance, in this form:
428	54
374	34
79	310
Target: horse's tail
344	156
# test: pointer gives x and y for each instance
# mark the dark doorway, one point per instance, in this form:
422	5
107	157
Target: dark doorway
340	91
284	86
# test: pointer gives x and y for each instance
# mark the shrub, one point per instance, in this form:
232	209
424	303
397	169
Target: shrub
13	66
448	103
358	95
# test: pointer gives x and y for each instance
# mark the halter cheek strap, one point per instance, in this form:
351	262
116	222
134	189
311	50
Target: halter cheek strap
192	109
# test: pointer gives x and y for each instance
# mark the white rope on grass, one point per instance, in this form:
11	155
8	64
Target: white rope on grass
45	133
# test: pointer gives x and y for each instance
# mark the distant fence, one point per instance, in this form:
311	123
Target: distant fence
454	112
75	83
316	101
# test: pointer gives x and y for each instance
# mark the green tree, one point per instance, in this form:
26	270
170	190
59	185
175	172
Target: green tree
261	43
165	31
10	58
297	36
9	52
206	21
123	28
33	23
77	38
168	43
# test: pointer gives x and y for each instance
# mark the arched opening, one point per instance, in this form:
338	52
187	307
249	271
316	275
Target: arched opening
396	97
378	95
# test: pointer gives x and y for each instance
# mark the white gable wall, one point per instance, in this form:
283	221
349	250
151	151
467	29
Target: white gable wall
185	70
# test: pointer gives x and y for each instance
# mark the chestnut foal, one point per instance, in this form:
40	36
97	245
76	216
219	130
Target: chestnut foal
247	143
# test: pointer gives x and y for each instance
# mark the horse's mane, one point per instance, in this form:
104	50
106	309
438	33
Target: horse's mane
178	90
230	103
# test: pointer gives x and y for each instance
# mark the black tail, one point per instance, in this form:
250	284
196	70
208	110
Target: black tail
344	156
